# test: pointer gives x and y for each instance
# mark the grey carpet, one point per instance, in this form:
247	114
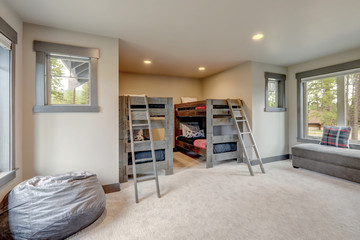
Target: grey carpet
226	203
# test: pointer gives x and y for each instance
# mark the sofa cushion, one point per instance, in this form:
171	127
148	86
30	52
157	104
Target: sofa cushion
336	136
338	156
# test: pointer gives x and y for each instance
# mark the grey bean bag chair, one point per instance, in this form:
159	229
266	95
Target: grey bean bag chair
55	207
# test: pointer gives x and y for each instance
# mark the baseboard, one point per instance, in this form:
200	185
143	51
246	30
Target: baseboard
110	188
273	159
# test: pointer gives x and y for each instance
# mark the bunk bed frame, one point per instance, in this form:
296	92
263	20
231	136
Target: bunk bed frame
162	117
216	114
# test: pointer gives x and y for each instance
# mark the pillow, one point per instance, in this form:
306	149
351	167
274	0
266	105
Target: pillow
187	99
336	136
189	126
138	135
191	130
195	134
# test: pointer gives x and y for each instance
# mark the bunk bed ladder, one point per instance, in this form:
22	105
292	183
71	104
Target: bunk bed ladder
146	125
239	116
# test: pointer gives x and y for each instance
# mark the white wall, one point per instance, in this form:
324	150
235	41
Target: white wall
60	142
233	83
342	57
247	82
16	23
160	86
270	128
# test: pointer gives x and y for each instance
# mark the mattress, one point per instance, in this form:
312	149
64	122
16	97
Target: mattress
188	140
150	106
159	155
218	148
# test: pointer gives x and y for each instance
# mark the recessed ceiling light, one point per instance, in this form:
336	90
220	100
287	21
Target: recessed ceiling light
258	36
147	61
202	68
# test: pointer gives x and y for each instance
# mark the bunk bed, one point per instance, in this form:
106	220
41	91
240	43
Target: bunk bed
162	122
220	140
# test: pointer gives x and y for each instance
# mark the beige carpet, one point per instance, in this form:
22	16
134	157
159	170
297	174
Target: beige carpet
226	203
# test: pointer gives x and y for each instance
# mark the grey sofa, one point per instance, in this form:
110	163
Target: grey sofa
339	162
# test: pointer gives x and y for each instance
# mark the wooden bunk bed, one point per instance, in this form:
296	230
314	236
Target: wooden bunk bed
212	115
162	117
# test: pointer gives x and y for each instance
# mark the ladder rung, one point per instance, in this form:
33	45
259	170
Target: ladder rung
241	120
138	109
245	133
145	179
250	146
143	160
140	125
139	142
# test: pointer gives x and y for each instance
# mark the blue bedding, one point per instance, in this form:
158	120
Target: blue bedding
224	147
159	155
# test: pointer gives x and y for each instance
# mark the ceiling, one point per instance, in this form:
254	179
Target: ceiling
179	36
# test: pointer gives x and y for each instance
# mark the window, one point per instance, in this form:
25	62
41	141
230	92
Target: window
274	92
329	96
66	78
8	38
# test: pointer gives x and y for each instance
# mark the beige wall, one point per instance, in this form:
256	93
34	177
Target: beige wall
233	83
15	22
309	65
247	82
270	128
160	86
60	142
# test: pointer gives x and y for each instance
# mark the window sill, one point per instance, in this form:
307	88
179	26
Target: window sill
308	140
62	108
274	109
6	177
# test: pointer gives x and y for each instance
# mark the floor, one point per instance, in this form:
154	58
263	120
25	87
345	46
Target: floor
225	202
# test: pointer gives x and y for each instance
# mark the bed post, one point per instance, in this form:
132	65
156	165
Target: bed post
176	128
239	148
122	140
209	133
169	136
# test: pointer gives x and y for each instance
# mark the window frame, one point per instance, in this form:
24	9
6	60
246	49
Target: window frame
11	34
333	69
281	92
43	49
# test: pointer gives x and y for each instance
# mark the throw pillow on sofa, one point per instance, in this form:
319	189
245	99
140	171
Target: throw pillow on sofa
336	136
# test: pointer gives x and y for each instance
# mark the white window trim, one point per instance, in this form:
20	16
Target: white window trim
338	69
281	92
10	34
44	48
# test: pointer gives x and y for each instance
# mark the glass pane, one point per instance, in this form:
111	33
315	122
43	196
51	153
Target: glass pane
4	109
58	67
80	69
352	101
321	98
273	93
69	80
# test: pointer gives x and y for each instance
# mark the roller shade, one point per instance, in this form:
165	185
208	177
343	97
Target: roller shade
5	42
334	74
